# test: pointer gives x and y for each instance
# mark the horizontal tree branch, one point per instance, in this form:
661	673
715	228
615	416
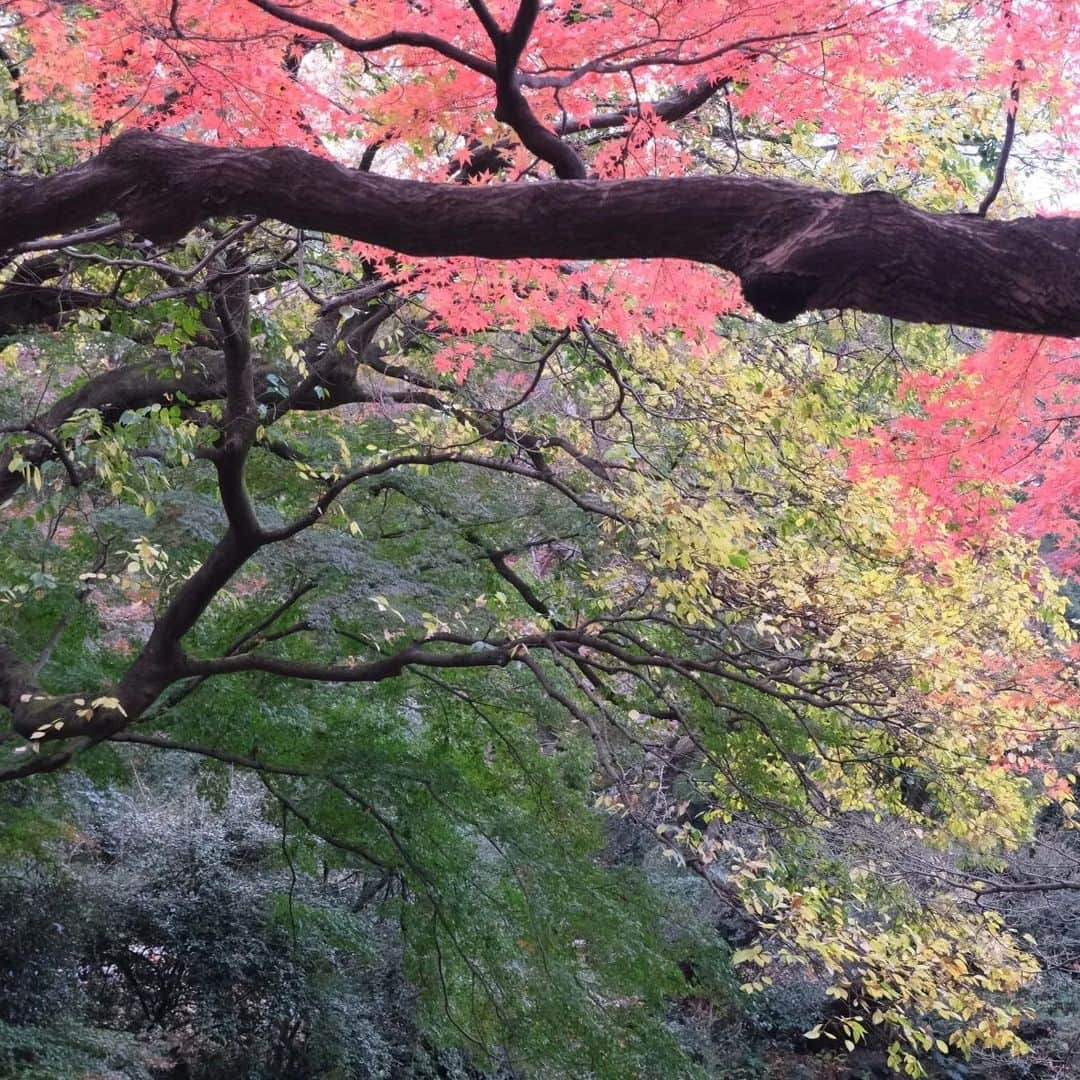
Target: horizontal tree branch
197	373
394	38
669	110
795	248
27	298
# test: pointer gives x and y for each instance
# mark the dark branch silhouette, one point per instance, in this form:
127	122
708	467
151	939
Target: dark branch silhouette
795	248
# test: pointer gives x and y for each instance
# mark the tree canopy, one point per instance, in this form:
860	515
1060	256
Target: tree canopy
502	430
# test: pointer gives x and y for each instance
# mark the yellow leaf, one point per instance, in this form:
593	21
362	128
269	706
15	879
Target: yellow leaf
743	956
108	703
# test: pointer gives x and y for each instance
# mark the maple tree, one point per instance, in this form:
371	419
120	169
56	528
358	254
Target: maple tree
334	362
793	248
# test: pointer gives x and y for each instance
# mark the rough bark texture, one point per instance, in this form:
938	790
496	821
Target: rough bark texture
794	248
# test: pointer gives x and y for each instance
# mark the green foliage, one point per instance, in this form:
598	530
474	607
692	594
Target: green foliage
60	1051
735	776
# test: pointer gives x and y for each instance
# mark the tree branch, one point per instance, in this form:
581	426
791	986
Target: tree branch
1012	109
511	106
409	38
230	297
670	109
795	248
27	300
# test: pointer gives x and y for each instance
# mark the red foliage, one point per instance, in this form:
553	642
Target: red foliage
997	439
994	440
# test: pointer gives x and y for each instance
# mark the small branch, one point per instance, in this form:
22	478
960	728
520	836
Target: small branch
189	688
1006	146
36	668
372	671
174	274
86	236
35	765
47	763
509	575
14	76
56	445
161	742
487	21
670	110
342	845
409	38
440	457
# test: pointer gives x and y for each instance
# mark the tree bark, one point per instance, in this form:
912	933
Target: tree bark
794	248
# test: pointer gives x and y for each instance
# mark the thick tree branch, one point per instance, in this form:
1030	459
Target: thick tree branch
511	106
795	248
27	300
230	299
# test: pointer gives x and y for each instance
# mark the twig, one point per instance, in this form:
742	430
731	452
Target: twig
1006	146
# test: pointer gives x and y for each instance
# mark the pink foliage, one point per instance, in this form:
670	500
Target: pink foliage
996	440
